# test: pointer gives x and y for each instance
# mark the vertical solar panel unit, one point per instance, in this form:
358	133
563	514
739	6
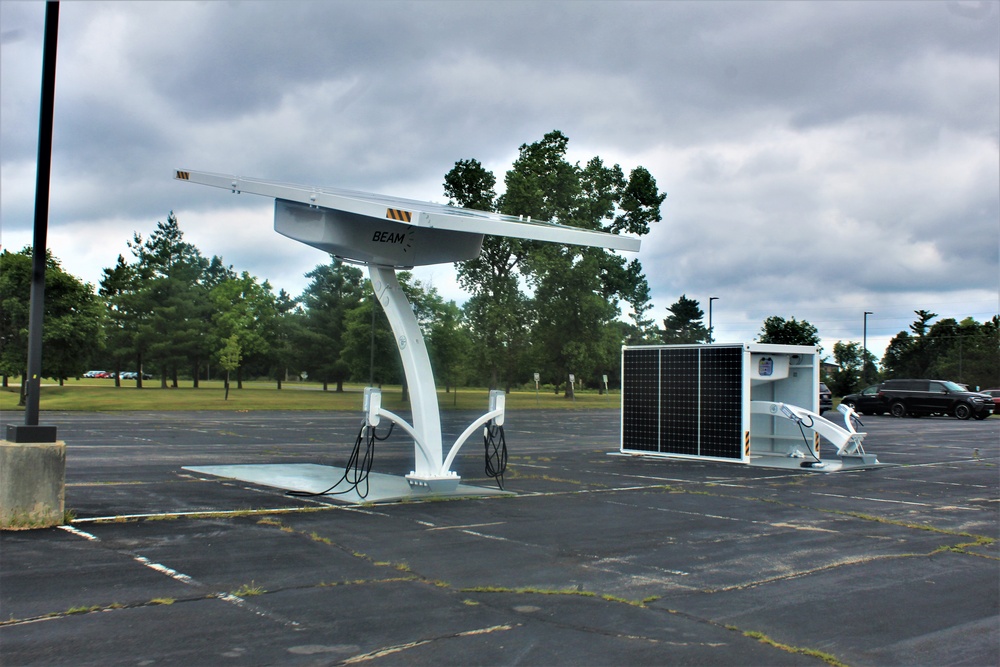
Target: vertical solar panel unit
680	420
722	415
641	406
694	401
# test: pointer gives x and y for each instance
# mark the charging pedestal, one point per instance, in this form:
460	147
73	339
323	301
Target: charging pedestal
385	234
752	403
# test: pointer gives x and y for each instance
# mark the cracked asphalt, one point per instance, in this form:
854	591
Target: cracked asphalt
598	559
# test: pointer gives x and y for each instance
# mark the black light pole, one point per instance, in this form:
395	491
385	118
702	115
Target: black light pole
711	334
32	432
864	359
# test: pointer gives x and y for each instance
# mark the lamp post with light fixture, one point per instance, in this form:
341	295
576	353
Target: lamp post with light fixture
711	334
864	344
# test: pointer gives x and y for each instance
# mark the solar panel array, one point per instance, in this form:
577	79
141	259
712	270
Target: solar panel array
683	400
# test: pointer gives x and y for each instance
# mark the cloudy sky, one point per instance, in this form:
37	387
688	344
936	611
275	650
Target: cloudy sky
821	159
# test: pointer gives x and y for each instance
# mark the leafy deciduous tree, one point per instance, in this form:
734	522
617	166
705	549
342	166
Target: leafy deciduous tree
849	358
577	291
780	331
72	318
230	357
966	351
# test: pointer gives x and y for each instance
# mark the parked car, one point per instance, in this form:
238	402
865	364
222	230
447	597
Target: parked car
995	393
133	375
930	397
867	401
95	374
825	398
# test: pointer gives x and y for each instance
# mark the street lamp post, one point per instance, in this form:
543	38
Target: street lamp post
31	431
864	358
711	334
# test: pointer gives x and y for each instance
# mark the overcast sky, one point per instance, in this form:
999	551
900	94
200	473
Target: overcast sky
821	159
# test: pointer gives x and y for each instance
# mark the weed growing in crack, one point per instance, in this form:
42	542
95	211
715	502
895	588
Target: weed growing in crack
248	590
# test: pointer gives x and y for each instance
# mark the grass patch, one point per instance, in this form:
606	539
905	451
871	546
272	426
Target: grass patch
365	582
248	590
980	540
268	521
82	610
33	520
963	548
764	639
561	591
163	601
88	395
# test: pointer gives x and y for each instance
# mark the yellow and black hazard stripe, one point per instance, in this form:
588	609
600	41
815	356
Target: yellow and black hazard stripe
183	175
398	215
746	444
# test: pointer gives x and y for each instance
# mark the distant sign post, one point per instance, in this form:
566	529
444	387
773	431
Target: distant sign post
537	378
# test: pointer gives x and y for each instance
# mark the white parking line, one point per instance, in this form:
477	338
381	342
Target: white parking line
874	500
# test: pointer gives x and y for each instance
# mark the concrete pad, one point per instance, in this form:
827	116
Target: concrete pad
331	483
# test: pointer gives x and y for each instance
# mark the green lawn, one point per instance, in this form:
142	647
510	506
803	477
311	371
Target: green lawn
103	396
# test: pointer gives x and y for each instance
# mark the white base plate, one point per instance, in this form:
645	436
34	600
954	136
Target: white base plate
778	461
313	478
828	465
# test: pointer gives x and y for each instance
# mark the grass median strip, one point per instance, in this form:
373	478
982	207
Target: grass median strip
103	396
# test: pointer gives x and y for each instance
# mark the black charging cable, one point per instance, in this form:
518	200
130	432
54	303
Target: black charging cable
358	466
805	439
496	452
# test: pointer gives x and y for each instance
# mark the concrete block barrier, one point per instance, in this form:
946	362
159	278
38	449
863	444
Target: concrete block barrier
32	485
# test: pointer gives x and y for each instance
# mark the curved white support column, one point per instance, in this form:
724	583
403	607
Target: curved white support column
468	432
426	429
498	406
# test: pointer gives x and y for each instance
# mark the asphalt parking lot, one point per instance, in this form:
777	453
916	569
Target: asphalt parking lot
597	559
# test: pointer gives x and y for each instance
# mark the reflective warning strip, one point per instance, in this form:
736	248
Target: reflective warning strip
816	442
184	175
746	444
398	214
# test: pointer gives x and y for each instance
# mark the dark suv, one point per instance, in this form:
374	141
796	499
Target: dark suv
928	397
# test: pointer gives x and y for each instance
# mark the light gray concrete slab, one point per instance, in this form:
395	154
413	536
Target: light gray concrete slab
332	483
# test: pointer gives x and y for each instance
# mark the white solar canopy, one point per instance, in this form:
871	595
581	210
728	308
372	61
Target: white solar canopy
394	231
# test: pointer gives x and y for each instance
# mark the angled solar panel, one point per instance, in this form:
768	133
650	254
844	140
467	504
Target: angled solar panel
395	231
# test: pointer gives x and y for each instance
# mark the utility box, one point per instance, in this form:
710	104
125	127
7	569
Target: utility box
694	401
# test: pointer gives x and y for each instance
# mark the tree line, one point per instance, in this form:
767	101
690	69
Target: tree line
533	308
967	352
169	310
